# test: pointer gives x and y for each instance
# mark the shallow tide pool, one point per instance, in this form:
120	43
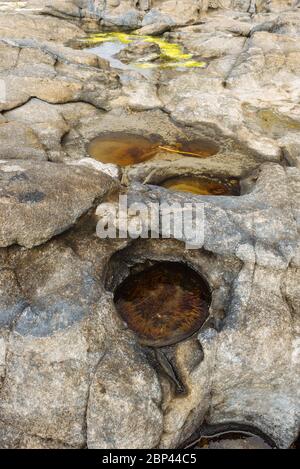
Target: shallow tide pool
126	149
202	185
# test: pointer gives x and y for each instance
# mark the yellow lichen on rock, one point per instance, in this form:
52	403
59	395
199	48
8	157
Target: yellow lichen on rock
172	54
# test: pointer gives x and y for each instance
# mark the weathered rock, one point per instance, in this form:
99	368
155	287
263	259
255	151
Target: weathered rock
24	145
275	250
21	26
170	12
269	325
71	374
248	321
157	17
12	300
59	77
139	52
140	92
209	45
124	380
58	131
68	306
45	121
122	16
156	29
204	103
67	9
41	201
109	169
275	5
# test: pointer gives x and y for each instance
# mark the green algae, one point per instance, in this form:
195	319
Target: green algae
172	54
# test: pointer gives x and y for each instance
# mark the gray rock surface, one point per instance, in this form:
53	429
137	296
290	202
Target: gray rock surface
71	374
31	70
259	334
42	200
140	52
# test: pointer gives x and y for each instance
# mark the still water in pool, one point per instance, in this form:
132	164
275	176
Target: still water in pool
202	185
164	304
125	149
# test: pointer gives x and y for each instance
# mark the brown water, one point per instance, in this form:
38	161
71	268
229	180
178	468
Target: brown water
164	304
122	149
125	149
202	185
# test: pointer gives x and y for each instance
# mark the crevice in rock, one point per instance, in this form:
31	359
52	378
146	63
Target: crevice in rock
54	13
11	326
13	108
75	101
6	338
59	58
236	62
18	58
285	296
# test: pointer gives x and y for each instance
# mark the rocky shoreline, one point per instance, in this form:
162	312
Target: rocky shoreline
71	374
